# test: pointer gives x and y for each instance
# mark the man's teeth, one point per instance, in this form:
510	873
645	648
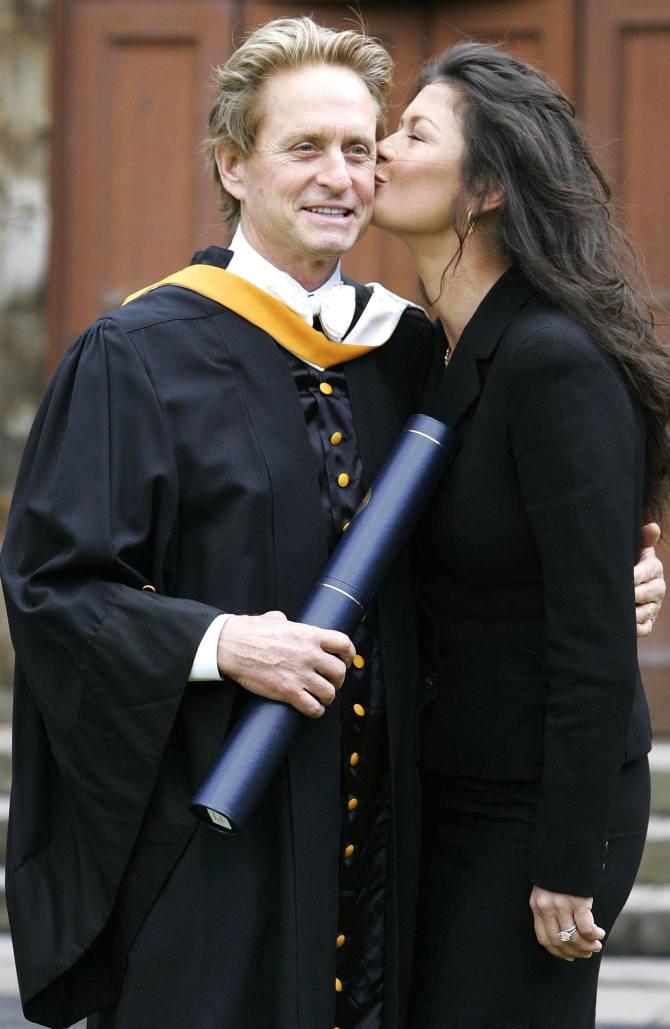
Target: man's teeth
335	211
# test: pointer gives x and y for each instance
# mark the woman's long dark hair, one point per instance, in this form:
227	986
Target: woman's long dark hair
554	223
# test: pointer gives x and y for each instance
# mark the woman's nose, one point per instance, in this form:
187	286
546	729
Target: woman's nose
385	151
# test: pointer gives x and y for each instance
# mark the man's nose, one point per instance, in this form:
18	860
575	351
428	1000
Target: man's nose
334	172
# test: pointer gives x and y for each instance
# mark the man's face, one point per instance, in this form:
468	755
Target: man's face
306	191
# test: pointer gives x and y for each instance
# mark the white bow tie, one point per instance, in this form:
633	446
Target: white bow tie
335	307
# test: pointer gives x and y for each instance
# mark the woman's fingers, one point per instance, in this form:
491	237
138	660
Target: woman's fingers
586	925
564	924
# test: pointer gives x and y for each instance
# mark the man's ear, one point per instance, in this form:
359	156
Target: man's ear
231	172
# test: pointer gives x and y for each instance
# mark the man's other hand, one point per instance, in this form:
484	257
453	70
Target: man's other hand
298	664
649	580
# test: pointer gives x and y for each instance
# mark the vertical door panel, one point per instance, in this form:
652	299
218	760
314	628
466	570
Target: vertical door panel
539	31
627	85
132	197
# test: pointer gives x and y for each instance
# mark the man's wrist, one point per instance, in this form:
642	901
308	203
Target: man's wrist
205	667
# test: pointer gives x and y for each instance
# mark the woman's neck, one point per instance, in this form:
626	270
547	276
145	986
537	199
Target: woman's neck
456	295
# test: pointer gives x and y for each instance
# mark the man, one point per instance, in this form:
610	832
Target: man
193	459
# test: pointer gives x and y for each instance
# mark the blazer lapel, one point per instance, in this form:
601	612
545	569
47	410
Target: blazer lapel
463	377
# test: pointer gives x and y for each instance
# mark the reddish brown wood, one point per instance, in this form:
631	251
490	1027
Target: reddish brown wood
627	83
134	200
539	31
626	86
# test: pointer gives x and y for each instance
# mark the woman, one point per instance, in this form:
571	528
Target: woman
534	750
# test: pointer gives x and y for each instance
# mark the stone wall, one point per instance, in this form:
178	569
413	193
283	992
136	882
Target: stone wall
25	123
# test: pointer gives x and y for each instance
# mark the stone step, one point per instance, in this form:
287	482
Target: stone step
5	758
5	705
4	920
655	866
659	762
4	814
643	927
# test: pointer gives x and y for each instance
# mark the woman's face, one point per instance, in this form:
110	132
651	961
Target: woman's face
419	166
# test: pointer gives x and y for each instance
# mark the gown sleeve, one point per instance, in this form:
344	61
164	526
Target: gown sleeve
578	442
101	661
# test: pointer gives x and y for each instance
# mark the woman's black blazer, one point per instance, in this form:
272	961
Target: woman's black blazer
529	577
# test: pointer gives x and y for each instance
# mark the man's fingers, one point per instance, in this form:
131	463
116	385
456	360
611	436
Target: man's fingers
275	616
322	690
651	591
307	704
649	572
650	534
332	669
646	613
338	643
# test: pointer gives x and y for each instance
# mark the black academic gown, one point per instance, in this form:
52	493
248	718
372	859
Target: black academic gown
171	452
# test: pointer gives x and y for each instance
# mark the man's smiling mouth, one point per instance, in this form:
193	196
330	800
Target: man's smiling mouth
331	212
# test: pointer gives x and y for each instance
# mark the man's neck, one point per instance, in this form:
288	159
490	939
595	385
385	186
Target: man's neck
251	262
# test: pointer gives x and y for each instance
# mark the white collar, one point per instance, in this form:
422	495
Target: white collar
376	324
256	269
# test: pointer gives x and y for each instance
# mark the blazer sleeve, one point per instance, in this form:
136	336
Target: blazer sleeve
578	442
103	661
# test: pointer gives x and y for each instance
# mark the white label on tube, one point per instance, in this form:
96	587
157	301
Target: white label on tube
219	819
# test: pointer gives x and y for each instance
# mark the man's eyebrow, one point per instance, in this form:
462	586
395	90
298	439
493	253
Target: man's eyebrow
295	136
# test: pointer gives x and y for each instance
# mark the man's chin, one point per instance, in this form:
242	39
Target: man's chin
336	239
332	248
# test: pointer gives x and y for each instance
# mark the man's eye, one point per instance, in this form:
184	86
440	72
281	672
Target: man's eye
360	150
304	148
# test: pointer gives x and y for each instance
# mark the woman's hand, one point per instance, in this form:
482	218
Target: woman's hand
553	912
649	580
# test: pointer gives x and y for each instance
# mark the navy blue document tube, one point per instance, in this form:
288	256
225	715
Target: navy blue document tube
262	736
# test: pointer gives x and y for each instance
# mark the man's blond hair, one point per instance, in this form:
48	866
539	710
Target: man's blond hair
285	43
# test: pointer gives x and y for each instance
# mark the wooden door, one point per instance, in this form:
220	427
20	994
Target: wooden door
131	197
627	86
540	31
626	91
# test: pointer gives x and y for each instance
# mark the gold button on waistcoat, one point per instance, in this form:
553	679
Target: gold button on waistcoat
346	526
343	479
326	388
354	759
353	803
359	661
338	986
349	849
359	710
341	939
336	438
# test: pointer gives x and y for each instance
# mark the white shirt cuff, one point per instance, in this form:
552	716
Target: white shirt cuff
205	667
